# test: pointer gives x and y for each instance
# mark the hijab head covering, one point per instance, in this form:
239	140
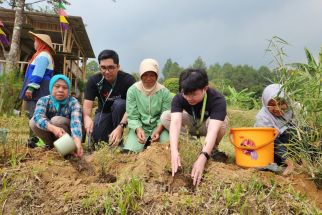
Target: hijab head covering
149	65
53	80
264	118
272	91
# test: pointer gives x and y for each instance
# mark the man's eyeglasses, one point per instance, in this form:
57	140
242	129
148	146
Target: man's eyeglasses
108	68
192	94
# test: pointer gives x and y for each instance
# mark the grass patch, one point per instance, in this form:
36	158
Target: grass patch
225	189
123	198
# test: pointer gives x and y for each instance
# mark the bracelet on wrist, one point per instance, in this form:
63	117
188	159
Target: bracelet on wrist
206	155
122	124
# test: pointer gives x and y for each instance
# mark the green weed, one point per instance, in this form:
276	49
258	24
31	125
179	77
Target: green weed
241	100
10	85
189	149
125	197
302	83
103	156
91	200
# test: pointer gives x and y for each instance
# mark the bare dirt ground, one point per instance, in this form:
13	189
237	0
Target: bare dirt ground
38	181
45	183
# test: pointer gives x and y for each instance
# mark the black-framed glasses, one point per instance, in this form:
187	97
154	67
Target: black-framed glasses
108	68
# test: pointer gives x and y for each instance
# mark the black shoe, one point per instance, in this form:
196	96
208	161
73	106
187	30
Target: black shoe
32	142
219	156
125	151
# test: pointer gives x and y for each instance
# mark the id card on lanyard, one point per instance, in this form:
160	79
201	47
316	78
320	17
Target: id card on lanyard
109	94
107	97
198	124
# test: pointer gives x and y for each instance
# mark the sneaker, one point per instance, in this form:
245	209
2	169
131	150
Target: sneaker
219	156
125	151
32	141
272	167
40	143
16	112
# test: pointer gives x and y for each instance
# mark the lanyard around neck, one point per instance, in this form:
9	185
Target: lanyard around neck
202	112
109	94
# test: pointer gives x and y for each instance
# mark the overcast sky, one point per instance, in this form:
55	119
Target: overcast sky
234	31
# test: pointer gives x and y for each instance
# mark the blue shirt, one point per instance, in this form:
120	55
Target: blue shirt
45	110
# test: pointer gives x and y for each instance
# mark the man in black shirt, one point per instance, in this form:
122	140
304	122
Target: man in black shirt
110	87
202	111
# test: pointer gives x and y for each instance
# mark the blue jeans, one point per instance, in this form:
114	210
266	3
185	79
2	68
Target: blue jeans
105	123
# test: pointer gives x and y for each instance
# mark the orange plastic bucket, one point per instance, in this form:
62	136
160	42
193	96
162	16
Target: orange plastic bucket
254	147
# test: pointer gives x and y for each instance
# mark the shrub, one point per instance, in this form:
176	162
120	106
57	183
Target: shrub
10	85
242	99
172	84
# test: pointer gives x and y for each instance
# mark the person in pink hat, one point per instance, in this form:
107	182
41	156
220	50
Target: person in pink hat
38	74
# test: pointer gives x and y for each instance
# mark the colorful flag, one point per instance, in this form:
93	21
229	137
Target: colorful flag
61	12
61	6
3	36
63	22
62	16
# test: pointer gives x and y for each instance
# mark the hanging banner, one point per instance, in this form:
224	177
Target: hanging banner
3	36
62	16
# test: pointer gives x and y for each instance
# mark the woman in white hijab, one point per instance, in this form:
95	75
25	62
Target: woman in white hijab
146	100
276	113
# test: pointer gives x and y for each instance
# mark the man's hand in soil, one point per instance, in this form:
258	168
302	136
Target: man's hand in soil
88	124
197	169
175	162
116	136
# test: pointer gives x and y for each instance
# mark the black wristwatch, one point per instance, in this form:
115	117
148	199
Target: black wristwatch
122	124
206	155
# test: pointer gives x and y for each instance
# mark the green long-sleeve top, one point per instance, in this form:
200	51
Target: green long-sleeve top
145	111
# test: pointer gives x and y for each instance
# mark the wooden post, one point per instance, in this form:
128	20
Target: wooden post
64	66
16	35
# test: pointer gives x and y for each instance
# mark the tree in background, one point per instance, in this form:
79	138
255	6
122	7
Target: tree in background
91	68
171	69
16	34
47	6
199	64
240	77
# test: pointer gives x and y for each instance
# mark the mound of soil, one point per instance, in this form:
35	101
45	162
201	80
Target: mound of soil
47	183
150	165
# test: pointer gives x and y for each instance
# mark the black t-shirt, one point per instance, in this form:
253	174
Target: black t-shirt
215	106
99	87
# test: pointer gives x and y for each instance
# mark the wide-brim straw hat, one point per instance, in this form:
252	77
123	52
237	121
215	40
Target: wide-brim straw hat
44	38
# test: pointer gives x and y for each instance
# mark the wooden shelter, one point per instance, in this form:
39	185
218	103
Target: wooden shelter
73	47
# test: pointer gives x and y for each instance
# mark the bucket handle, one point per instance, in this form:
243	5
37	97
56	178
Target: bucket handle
251	148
